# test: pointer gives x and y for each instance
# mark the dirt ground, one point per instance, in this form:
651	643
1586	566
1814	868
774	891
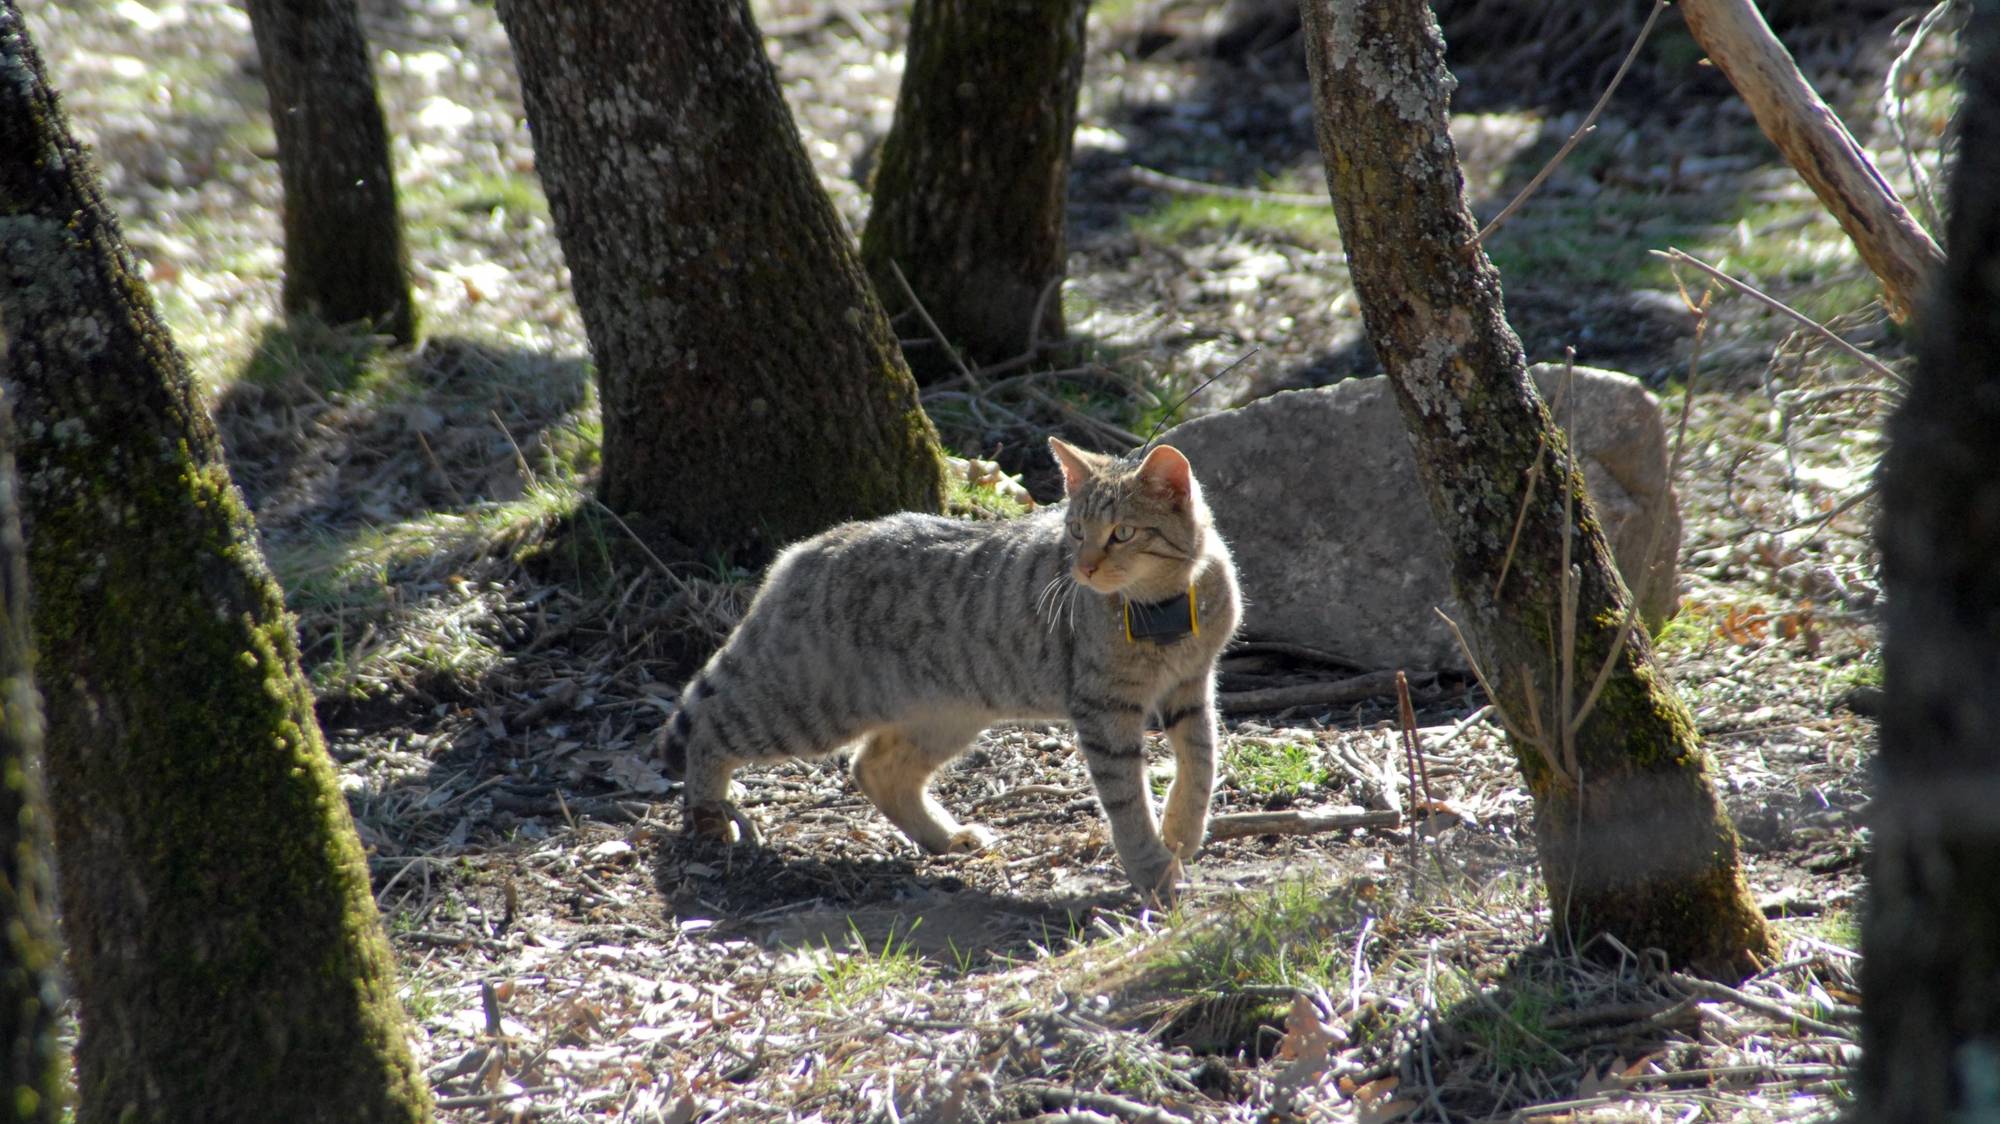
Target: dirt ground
493	652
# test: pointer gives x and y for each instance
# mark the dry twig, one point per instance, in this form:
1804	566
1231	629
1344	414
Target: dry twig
1675	254
1237	825
1375	684
1589	122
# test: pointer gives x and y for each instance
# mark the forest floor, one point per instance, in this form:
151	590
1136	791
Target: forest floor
493	655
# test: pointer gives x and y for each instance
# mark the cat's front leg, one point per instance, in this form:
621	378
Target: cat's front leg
1112	738
1187	715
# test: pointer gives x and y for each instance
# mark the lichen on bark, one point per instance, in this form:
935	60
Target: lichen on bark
216	905
345	260
753	391
1632	839
33	1067
970	188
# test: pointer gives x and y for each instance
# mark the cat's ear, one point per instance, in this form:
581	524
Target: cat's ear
1075	464
1165	470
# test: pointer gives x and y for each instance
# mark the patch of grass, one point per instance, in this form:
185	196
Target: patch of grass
1273	768
326	359
1218	980
575	447
1864	672
1599	242
421	995
1688	632
487	192
858	973
445	215
1837	926
391	604
1198	218
979	498
1510	1023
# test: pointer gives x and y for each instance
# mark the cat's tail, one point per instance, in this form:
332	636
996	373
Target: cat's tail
671	744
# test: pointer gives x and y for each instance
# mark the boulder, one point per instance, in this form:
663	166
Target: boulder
1316	492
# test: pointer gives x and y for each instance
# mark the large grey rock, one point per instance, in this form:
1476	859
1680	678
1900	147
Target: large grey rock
1316	492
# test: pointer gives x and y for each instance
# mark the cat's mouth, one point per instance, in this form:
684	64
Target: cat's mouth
1103	581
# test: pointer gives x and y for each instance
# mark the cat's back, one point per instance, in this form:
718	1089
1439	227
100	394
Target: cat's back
914	538
888	560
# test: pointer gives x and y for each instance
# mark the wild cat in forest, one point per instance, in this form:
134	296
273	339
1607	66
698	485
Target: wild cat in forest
912	633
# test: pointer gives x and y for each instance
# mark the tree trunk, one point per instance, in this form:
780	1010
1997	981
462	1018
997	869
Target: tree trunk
1633	841
226	955
753	392
344	256
1931	937
30	998
973	176
1818	146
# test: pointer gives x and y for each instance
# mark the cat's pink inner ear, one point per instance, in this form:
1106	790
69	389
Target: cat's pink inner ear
1167	470
1075	470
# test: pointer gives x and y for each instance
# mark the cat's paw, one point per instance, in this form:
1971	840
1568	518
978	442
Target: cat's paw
970	840
1159	884
721	823
1181	838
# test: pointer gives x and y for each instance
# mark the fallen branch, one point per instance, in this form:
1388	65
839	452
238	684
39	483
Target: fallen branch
1709	989
1375	684
1111	1103
1238	825
1819	147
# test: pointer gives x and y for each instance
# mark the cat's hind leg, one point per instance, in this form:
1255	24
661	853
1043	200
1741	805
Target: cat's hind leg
894	769
705	794
701	746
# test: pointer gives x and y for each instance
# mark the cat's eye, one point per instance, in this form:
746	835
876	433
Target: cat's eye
1075	529
1122	532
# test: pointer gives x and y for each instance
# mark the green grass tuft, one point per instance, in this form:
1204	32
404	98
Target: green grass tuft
1263	769
1196	218
848	976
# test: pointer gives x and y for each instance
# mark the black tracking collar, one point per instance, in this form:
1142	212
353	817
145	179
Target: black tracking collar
1162	622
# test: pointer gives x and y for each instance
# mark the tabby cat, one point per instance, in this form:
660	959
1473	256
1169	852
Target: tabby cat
913	633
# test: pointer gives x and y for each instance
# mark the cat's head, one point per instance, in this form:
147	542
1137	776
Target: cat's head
1137	524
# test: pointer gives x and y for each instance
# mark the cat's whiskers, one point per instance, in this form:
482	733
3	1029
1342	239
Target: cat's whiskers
1048	603
1057	601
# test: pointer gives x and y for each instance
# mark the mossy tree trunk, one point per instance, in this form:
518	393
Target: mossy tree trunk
31	1082
1930	980
226	954
973	176
753	392
344	254
1632	839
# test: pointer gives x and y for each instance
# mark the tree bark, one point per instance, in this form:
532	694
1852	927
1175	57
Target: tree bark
344	254
1931	937
1633	841
753	392
31	1084
226	954
974	174
1819	148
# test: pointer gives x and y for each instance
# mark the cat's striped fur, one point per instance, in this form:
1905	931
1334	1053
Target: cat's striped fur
913	633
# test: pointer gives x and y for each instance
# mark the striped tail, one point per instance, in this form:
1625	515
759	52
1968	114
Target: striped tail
672	741
671	745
